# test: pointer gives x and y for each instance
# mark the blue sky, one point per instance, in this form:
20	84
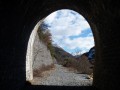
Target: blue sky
70	31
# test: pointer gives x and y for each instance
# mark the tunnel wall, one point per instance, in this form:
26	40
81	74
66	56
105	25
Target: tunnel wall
30	55
18	18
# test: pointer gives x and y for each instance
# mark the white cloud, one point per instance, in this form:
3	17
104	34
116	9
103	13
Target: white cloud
81	42
64	20
65	23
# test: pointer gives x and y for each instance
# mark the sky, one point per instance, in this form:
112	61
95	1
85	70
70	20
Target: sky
70	31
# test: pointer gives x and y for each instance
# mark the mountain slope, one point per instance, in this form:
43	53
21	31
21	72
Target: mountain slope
81	63
61	55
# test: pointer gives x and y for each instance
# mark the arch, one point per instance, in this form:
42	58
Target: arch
29	54
81	9
21	16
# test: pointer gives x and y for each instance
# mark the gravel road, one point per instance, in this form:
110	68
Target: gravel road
61	76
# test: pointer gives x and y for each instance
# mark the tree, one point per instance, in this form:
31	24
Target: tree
45	36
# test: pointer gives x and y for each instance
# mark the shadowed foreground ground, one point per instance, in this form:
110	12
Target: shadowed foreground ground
61	76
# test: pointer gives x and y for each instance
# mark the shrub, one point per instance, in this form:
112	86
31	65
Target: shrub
45	37
82	66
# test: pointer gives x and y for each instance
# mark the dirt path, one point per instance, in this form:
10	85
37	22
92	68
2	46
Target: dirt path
61	76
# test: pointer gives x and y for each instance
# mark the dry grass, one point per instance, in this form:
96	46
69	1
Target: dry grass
83	66
72	69
38	72
90	76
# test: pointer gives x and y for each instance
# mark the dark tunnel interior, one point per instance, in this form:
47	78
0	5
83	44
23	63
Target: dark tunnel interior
18	18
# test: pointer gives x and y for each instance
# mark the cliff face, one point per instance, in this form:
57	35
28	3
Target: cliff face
41	55
37	55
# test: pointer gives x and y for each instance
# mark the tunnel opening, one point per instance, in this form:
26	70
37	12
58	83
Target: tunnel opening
36	56
18	18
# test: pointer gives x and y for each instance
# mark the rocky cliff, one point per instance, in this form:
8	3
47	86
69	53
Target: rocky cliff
41	54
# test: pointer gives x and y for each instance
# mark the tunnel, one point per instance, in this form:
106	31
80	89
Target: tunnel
19	17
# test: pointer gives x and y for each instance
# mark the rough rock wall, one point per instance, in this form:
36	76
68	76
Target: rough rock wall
41	55
37	54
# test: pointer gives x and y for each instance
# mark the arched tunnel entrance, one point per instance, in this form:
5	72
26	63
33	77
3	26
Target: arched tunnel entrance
48	49
18	19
